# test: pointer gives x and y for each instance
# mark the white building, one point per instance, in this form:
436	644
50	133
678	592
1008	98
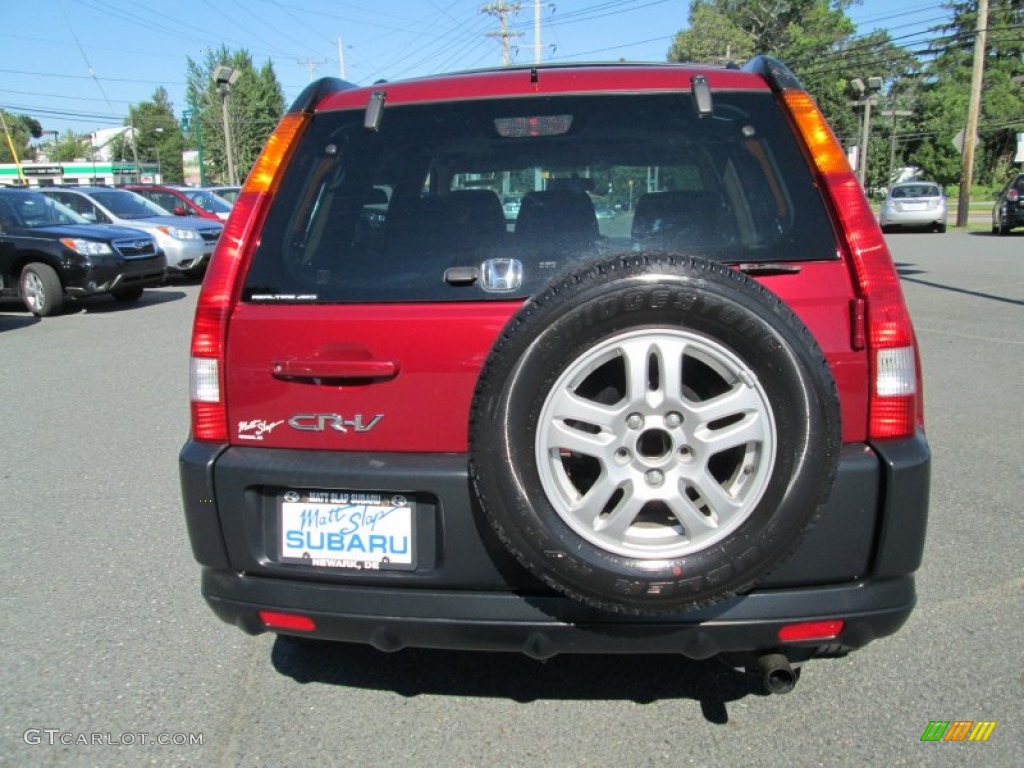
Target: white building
101	140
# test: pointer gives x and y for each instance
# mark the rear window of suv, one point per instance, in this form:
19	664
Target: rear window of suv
416	211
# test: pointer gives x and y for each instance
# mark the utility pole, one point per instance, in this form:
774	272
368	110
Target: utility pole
894	113
537	46
868	94
536	31
312	64
135	150
971	134
502	11
341	59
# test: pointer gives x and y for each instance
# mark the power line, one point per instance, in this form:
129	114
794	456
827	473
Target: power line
92	72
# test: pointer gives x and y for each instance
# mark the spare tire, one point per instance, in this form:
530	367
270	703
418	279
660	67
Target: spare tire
653	433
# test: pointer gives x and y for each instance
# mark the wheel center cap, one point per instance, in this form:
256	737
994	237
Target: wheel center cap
654	444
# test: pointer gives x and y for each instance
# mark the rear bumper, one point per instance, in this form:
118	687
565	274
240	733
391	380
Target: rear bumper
1011	218
542	626
468	592
912	218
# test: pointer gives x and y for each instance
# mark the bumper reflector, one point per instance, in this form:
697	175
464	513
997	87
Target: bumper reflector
294	621
811	630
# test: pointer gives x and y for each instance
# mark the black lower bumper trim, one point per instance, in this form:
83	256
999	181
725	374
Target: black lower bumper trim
542	626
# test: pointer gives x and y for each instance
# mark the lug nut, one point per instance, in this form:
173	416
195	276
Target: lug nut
634	421
673	420
654	477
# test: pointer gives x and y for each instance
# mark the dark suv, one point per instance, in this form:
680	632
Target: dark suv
49	253
693	427
1008	212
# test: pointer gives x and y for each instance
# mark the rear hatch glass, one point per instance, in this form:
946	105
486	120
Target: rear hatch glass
915	191
489	199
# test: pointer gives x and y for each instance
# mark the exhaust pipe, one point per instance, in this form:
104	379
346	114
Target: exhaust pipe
776	672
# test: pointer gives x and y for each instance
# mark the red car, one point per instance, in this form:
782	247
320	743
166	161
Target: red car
694	427
184	201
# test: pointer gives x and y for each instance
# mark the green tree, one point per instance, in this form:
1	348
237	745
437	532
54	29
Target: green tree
69	147
815	38
22	130
712	37
156	136
255	105
945	92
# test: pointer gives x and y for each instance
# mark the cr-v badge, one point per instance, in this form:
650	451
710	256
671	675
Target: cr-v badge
319	422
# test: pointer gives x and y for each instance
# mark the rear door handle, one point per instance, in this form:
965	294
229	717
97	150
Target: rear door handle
332	371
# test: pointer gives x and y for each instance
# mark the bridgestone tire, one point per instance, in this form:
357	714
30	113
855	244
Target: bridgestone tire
653	433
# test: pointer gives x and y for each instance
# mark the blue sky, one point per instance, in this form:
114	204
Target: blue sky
79	64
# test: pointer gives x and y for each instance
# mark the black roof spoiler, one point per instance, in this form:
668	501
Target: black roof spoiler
778	75
316	91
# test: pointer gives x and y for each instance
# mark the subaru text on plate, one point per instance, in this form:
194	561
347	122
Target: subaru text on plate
694	427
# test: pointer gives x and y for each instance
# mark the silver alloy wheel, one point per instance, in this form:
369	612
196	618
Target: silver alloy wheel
655	444
33	290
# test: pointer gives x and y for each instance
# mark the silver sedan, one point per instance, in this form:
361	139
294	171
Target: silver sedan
914	204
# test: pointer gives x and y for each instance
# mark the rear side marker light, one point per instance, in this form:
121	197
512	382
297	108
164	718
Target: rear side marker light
294	621
811	630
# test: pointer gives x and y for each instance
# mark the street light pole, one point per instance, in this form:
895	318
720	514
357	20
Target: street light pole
224	91
865	137
225	77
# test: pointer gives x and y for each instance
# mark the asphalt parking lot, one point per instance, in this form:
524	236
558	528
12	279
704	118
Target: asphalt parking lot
108	649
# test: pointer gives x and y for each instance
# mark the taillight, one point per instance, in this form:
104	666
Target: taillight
895	390
1012	195
222	283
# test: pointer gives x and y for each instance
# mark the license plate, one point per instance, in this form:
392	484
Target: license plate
355	530
915	206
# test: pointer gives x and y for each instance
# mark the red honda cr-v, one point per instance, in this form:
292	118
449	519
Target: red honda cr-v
690	425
